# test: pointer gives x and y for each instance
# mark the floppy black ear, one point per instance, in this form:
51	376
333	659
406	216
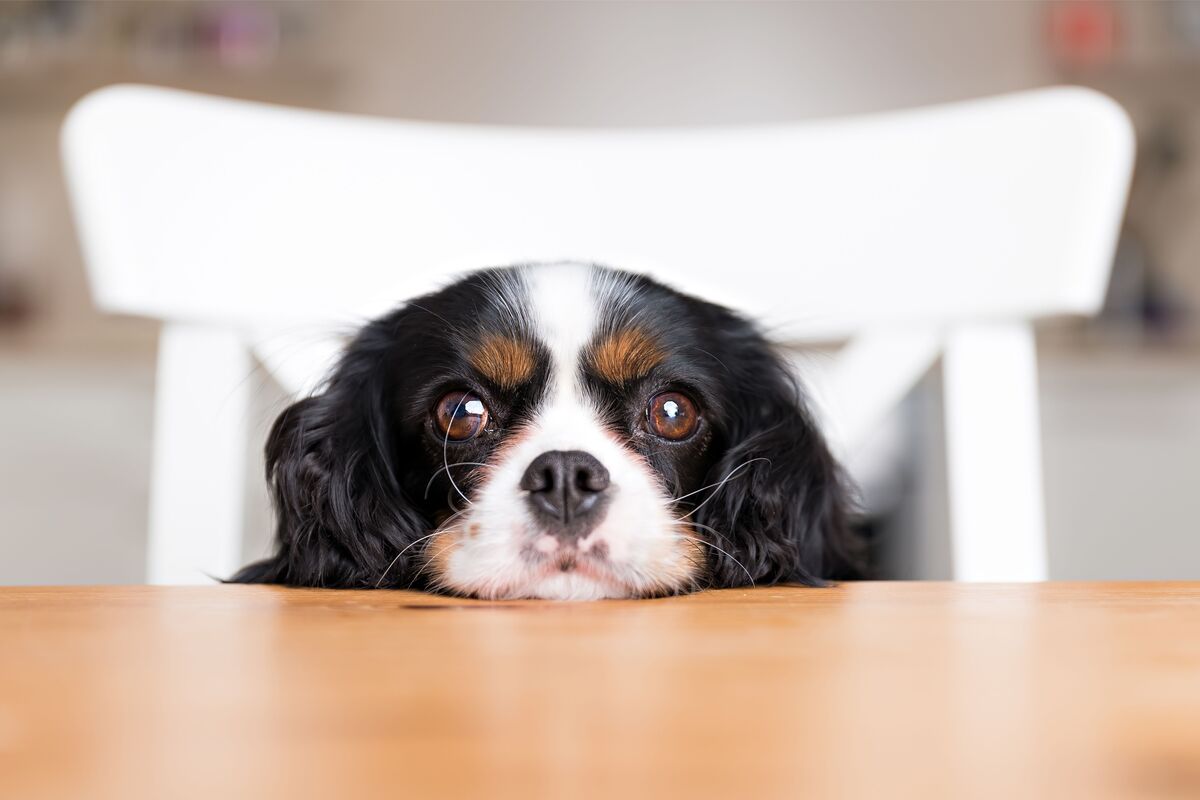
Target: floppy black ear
783	513
331	463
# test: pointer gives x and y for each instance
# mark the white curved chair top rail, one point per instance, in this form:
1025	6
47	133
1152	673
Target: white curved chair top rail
206	209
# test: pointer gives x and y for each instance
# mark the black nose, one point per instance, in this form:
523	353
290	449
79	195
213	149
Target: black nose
566	489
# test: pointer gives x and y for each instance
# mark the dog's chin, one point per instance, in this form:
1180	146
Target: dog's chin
551	578
575	585
552	572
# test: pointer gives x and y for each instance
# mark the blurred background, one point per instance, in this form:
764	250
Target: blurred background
1120	394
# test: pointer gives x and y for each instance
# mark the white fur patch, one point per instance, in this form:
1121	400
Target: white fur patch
508	556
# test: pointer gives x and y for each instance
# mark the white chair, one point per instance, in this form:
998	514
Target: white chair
938	231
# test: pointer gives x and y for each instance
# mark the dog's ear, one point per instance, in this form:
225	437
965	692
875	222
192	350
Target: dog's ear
783	511
341	514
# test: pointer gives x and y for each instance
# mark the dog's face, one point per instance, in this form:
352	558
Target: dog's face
556	431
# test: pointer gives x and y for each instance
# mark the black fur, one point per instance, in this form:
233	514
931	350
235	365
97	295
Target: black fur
783	513
349	467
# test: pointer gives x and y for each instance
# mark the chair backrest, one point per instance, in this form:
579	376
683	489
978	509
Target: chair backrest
947	228
199	208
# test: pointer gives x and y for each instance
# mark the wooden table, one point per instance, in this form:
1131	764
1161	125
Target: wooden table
867	690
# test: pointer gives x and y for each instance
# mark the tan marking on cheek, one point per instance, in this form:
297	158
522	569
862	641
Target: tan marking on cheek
690	562
506	361
626	355
442	549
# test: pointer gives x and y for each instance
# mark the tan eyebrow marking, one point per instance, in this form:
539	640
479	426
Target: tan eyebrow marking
506	361
625	355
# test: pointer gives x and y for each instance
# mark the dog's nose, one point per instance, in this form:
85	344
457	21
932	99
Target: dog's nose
566	489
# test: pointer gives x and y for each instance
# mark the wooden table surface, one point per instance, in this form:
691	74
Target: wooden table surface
870	690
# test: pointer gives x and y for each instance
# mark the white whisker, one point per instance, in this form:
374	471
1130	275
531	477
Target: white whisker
719	550
402	552
713	531
718	486
429	561
446	469
446	445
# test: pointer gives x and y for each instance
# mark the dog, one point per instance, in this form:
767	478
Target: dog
562	431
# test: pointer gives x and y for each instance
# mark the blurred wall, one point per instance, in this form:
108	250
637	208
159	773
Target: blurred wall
678	63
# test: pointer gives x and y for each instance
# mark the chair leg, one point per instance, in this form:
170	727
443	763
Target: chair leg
198	474
994	453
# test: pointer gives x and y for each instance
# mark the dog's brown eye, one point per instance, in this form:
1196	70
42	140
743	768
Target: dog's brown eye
460	415
672	415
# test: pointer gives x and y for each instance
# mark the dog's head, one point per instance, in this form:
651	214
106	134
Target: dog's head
557	431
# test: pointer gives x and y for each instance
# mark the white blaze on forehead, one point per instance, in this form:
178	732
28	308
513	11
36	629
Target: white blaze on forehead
564	316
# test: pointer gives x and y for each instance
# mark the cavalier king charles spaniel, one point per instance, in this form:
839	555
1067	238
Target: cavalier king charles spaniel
558	431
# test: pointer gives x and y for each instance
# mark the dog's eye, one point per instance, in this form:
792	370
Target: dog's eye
460	415
672	415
